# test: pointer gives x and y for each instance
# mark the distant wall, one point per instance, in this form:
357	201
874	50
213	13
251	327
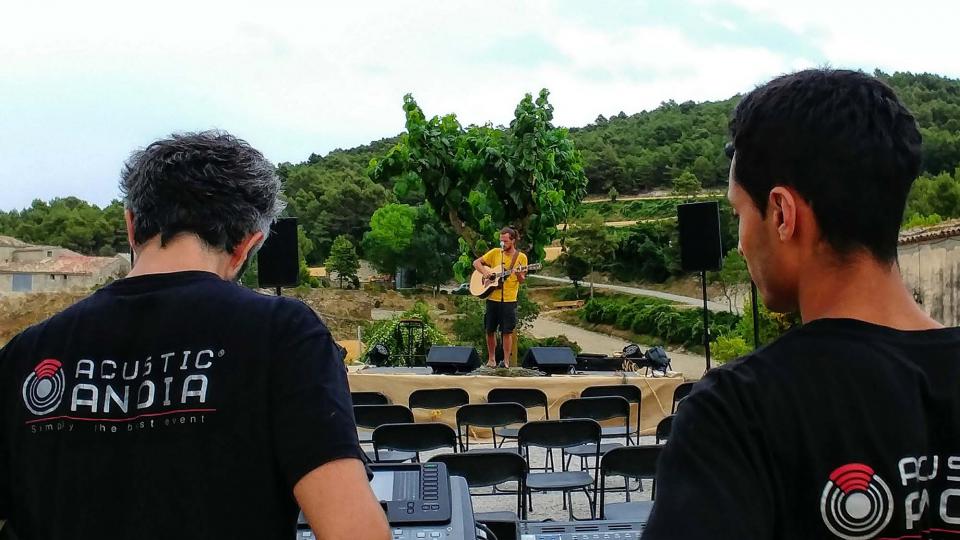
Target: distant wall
931	271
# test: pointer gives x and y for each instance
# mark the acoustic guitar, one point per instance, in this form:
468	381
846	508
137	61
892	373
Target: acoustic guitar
482	287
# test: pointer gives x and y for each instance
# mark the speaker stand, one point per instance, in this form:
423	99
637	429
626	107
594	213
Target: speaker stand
706	319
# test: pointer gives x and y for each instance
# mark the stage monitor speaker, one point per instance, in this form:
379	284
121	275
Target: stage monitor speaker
453	359
598	362
278	261
699	227
550	359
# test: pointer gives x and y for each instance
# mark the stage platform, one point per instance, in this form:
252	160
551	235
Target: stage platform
657	392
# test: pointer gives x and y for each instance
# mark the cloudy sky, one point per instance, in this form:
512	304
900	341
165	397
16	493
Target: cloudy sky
82	84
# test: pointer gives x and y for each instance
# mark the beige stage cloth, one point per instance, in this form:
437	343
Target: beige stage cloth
656	392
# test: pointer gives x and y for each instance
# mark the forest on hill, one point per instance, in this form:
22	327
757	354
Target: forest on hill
335	194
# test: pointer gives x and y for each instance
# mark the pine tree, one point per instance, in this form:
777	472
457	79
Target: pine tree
343	259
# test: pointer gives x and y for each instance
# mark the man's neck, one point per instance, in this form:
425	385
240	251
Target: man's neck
181	254
863	289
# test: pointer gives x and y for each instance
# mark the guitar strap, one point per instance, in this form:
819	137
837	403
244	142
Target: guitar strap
513	260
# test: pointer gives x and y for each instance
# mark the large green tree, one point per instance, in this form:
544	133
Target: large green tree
593	243
331	202
433	249
387	242
481	178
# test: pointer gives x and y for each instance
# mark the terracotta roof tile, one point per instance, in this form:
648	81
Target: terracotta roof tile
944	229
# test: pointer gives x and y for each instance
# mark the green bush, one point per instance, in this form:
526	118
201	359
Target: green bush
656	318
525	342
388	333
727	348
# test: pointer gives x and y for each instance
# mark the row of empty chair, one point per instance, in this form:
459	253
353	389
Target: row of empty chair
445	398
487	469
507	407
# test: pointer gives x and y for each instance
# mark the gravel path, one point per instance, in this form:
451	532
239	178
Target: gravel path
698	302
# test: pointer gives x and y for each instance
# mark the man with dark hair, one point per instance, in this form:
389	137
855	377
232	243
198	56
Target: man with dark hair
849	426
175	403
501	308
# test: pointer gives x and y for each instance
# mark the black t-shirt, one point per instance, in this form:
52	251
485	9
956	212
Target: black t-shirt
840	429
169	406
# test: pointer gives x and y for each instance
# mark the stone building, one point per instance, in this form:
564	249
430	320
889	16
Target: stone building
930	264
26	268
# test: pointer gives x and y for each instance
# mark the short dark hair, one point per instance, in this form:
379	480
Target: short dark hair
844	141
514	235
209	183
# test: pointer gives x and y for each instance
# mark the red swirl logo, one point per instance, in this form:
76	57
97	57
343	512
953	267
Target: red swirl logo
43	387
856	503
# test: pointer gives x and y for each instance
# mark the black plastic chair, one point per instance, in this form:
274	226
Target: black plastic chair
597	408
679	394
438	398
370	417
664	428
562	434
528	397
636	462
628	392
487	415
412	437
369	398
488	469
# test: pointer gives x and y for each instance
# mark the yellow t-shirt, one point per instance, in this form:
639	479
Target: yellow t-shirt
511	286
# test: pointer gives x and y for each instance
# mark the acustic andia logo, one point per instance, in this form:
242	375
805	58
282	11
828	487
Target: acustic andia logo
43	387
856	503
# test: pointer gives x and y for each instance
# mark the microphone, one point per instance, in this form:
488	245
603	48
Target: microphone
501	244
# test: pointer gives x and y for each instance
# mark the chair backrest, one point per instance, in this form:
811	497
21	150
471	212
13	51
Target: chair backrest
485	468
411	437
664	428
631	461
638	462
491	414
482	469
628	392
371	416
596	408
528	397
559	433
487	415
679	393
438	398
369	398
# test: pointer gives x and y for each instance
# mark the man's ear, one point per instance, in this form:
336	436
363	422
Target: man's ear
128	218
242	250
782	204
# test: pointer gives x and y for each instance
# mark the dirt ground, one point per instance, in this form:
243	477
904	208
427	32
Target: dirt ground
342	310
17	312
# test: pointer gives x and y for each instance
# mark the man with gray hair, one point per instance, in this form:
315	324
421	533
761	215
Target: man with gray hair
175	403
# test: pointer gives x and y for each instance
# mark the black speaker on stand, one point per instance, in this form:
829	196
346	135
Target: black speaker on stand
278	261
700	249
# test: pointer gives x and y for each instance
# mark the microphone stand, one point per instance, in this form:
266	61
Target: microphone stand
503	282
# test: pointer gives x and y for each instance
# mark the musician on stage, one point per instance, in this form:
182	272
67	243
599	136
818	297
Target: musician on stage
502	304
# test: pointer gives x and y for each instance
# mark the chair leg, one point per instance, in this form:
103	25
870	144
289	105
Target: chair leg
593	504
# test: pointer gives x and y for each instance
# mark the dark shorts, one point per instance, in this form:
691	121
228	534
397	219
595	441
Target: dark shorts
502	315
